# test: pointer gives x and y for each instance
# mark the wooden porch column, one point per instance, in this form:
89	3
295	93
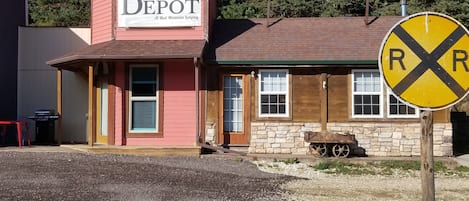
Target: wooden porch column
90	105
323	93
59	106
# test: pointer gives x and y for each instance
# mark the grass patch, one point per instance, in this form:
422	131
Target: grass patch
383	167
343	168
291	161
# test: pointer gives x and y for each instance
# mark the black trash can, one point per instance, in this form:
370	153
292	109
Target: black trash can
45	126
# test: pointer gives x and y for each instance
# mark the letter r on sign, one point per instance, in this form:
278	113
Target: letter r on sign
460	58
393	57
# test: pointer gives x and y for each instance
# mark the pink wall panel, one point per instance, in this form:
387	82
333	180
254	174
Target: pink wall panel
196	33
120	86
179	110
101	21
102	31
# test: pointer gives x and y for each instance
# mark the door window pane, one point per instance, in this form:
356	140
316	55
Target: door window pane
232	104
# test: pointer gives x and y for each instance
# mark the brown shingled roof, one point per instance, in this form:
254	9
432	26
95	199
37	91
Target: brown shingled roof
134	49
294	39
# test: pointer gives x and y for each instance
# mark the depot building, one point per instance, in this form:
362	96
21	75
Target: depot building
169	74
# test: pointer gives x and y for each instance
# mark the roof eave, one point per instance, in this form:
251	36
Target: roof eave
318	63
80	58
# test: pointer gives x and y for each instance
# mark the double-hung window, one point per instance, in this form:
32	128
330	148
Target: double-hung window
273	93
398	109
367	93
143	99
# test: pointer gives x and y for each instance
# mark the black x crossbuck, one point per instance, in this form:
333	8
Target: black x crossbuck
429	61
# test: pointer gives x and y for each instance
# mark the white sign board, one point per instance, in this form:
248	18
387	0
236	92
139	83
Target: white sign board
159	13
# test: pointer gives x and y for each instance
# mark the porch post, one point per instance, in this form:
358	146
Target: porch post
59	106
197	101
90	104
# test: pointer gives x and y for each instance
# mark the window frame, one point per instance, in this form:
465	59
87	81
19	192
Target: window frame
155	98
286	93
380	93
395	116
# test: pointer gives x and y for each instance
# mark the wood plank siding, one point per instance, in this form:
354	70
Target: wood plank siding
338	87
305	95
305	105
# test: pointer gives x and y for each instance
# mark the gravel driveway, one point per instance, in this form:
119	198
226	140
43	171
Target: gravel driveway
80	176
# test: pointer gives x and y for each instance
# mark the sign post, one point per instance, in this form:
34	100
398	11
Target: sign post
424	62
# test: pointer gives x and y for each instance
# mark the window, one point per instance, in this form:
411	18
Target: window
233	104
143	96
367	90
367	93
398	109
273	93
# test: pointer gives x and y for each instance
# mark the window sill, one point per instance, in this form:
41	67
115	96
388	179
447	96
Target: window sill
144	135
385	120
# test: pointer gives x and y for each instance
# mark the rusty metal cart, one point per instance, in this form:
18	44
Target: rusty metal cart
325	142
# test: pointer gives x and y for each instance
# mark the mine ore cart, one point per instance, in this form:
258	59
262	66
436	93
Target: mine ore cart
324	143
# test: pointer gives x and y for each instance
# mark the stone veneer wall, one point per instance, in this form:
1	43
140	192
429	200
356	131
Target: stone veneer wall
377	139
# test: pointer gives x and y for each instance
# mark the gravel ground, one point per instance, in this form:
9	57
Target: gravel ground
402	186
80	176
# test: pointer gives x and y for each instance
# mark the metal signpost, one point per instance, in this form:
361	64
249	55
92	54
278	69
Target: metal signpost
424	61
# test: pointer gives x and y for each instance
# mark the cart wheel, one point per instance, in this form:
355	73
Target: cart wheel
341	150
321	149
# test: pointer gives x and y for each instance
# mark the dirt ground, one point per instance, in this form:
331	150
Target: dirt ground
316	185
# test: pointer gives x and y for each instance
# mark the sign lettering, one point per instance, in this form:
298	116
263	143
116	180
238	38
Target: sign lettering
159	13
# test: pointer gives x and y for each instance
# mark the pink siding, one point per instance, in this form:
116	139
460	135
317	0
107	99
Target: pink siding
101	21
179	110
120	85
196	33
101	27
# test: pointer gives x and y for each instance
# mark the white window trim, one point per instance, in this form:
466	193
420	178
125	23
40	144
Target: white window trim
154	98
417	111
287	95
380	93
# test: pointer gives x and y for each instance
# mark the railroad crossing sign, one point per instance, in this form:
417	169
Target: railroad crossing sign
424	60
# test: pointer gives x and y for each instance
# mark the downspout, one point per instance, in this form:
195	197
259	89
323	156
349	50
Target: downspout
113	17
197	101
403	8
26	13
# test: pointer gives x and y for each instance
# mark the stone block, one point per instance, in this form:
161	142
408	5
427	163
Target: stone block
276	145
280	140
285	151
261	132
385	135
271	140
396	143
396	135
271	134
287	145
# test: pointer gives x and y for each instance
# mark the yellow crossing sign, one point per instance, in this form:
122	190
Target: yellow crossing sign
424	60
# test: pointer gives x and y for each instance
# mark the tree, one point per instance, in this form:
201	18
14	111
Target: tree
228	9
59	12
